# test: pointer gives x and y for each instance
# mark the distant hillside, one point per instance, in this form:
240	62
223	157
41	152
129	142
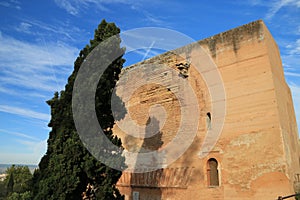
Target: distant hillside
3	167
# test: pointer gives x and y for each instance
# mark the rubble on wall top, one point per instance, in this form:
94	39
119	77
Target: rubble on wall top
232	38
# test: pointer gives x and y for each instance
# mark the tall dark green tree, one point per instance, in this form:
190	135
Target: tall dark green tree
68	167
16	183
18	179
10	184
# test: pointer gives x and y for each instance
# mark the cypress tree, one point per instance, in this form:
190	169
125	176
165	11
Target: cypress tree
10	184
67	167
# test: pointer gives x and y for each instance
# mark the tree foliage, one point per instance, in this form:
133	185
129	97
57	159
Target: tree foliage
20	196
17	183
67	167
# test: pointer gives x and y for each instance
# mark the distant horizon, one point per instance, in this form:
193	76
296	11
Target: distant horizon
18	164
4	167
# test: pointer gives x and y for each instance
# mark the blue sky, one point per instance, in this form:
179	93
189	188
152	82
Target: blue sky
39	41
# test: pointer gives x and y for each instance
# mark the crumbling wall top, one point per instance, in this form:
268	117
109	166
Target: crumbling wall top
231	38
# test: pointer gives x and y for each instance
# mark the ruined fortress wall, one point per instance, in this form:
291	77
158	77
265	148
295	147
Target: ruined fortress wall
257	151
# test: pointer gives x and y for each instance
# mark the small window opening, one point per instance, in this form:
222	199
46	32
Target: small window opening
208	120
212	172
136	195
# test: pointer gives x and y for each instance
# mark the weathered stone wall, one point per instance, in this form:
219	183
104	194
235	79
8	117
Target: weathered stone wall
257	152
286	115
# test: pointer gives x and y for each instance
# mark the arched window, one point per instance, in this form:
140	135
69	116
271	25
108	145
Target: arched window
212	172
208	120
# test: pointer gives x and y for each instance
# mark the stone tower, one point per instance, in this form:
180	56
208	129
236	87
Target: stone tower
256	154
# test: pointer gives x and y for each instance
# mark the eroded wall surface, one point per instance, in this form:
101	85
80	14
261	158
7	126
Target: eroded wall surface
257	151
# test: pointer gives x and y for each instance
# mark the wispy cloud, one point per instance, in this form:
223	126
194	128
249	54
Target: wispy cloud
74	7
295	48
292	74
24	27
11	4
154	19
24	112
291	58
39	66
22	93
18	52
62	30
22	135
275	6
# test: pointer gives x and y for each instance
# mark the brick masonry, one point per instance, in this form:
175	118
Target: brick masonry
257	151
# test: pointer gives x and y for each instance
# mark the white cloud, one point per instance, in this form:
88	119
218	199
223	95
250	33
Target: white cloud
291	58
24	27
275	6
74	7
61	29
24	112
292	74
22	93
295	48
22	135
153	19
11	4
67	5
18	52
35	66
